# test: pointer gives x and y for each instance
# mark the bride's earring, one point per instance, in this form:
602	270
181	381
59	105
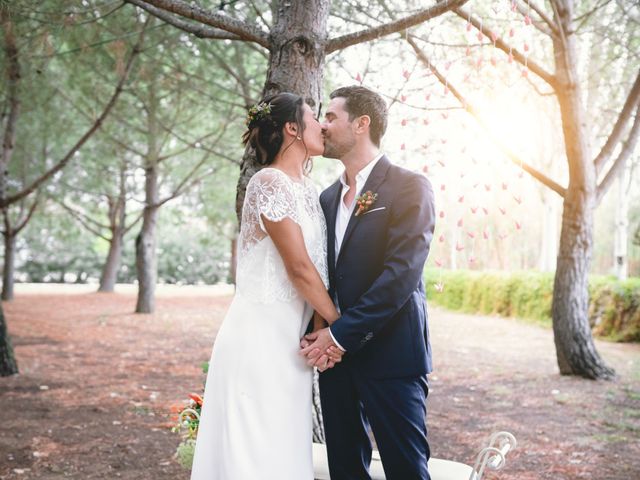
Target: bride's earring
299	137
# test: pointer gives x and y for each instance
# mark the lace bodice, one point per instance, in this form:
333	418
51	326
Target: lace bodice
261	274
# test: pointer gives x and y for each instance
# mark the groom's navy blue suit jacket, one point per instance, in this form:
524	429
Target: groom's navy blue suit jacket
377	278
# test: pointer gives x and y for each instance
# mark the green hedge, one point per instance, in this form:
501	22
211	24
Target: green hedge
614	307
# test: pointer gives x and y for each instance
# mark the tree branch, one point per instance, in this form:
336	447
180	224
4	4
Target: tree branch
392	27
628	147
85	220
541	13
217	20
179	190
189	146
508	49
541	177
96	125
134	223
203	147
89	117
618	128
585	17
199	30
26	219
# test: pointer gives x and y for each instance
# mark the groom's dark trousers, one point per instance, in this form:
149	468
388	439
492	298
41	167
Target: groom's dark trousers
376	281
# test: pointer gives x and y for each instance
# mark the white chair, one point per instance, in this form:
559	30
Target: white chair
492	457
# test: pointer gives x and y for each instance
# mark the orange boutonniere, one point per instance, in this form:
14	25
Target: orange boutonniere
365	201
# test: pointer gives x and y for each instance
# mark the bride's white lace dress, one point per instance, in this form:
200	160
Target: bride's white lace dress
256	419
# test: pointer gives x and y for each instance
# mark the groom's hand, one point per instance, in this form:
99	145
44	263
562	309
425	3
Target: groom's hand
320	350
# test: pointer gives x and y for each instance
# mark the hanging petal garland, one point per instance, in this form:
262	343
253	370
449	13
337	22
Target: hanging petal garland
486	36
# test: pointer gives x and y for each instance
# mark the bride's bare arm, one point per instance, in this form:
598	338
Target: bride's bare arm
318	322
287	237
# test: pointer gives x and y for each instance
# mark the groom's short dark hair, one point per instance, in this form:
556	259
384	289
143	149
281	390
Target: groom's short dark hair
362	101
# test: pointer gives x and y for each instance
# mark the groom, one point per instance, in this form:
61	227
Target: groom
380	221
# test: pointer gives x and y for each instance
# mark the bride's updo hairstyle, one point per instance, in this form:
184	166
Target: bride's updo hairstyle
265	122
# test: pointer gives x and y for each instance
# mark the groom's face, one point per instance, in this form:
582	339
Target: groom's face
338	133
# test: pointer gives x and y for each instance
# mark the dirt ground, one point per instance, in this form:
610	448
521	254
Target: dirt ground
97	382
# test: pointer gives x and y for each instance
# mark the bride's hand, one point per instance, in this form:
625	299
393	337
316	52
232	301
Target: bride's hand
329	359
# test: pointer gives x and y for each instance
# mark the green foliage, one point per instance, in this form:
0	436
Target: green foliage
614	309
185	452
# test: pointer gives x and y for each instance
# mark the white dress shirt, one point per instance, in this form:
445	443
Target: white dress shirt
345	212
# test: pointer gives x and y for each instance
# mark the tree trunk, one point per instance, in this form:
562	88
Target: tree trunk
621	239
8	269
146	260
296	64
549	247
234	260
112	265
146	264
8	140
8	364
117	222
12	67
575	350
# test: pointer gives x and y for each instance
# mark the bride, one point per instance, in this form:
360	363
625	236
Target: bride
256	419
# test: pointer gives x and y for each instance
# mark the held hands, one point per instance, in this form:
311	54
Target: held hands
320	350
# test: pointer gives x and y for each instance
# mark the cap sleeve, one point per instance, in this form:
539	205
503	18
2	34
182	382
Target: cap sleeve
274	196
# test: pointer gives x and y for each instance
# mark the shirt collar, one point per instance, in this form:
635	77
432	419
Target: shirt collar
363	174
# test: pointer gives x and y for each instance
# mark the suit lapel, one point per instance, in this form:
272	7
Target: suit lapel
333	198
376	177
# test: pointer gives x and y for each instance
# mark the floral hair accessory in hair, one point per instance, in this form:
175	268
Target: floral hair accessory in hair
258	112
